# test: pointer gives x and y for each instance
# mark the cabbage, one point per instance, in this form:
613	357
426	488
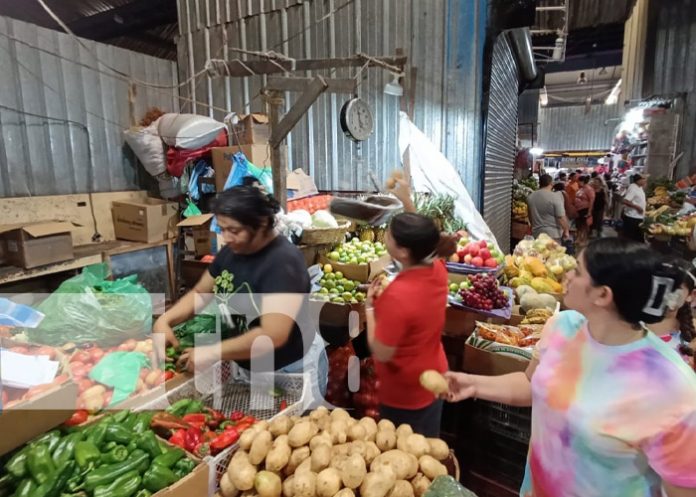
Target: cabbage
300	217
324	219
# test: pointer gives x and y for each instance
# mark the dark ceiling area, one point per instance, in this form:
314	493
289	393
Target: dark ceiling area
147	26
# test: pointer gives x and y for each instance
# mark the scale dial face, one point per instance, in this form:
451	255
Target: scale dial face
356	120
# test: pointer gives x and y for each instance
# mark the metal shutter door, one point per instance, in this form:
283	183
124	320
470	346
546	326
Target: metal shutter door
501	138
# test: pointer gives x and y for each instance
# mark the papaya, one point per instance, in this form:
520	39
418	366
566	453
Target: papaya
536	266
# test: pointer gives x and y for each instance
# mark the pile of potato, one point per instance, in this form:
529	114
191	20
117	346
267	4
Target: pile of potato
329	453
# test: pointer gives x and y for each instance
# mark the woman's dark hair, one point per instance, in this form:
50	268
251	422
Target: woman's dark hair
685	316
631	270
558	187
248	205
572	175
250	181
415	232
594	174
584	179
562	176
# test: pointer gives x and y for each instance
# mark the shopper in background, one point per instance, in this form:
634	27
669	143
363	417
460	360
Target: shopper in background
405	322
599	206
546	211
584	204
572	186
634	209
562	178
613	406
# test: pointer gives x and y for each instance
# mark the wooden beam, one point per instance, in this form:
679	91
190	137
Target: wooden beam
279	166
279	83
233	68
317	86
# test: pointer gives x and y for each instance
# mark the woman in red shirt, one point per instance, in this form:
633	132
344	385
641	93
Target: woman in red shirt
405	322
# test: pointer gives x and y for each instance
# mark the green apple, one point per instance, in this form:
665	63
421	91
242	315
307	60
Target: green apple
339	275
340	289
329	276
323	290
453	287
349	285
359	296
334	256
353	260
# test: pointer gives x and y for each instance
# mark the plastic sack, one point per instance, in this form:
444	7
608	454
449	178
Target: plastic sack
200	170
148	147
16	315
177	158
188	131
120	371
88	308
241	168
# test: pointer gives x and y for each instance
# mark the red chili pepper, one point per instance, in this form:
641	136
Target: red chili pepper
78	417
178	438
224	440
209	436
215	414
168	375
201	450
231	427
248	419
242	427
283	404
236	415
193	438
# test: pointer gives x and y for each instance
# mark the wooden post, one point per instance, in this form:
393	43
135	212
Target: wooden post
279	161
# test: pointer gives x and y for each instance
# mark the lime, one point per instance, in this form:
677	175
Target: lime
349	285
340	289
334	256
330	284
329	276
347	296
339	275
337	300
362	259
454	287
359	296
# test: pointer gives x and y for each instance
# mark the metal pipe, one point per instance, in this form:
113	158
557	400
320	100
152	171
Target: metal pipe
522	45
551	8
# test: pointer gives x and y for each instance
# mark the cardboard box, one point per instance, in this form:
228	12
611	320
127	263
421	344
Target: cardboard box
197	235
36	244
358	272
477	361
251	129
259	155
194	484
148	221
148	396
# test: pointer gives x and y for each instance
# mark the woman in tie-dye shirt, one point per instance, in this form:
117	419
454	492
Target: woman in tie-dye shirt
614	407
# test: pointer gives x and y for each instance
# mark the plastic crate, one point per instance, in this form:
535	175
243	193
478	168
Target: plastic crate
220	389
514	423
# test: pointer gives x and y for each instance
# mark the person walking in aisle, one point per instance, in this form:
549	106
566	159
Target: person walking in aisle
547	212
584	204
634	209
573	186
613	406
598	207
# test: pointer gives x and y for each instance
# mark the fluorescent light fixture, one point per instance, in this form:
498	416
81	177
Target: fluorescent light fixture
544	97
536	151
613	97
394	88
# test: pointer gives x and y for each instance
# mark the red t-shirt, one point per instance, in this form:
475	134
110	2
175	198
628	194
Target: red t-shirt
410	316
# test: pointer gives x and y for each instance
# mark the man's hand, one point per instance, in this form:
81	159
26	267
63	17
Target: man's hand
401	190
162	326
199	358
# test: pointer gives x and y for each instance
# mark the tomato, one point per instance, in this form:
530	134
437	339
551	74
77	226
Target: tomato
39	389
168	375
95	354
81	356
78	417
79	369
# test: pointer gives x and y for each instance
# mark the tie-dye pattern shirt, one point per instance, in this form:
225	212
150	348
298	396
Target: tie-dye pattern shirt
609	421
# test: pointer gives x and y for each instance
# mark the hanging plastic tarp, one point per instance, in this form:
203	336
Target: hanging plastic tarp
432	172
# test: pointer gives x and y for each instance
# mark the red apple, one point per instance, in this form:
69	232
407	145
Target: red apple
461	254
477	261
467	259
473	249
492	263
483	244
453	258
485	254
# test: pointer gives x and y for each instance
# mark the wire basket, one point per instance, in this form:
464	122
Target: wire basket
325	236
218	388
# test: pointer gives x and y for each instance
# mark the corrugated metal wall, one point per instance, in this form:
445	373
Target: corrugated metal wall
571	128
501	136
671	67
443	39
80	148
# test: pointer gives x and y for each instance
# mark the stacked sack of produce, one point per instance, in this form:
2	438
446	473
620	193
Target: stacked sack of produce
540	263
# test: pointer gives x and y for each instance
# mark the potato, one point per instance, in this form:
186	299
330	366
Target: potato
353	471
378	484
339	414
346	492
280	426
268	484
304	466
372	452
246	438
324	438
301	433
370	427
305	484
438	449
431	468
420	484
297	457
434	382
401	443
249	493
279	455
261	425
319	412
395	460
357	432
402	488
413	466
321	457
227	488
404	430
339	431
260	447
241	472
386	440
323	423
295	419
385	425
288	486
358	447
328	482
340	450
338	461
415	444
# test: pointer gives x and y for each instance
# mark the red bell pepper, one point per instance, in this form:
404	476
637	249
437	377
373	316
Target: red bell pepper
248	419
224	440
209	436
201	450
198	420
78	417
283	404
178	438
241	427
236	415
193	438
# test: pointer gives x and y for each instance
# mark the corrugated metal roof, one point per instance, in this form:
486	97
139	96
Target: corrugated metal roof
571	128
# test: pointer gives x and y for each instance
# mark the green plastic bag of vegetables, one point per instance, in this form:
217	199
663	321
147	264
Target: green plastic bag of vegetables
119	370
89	308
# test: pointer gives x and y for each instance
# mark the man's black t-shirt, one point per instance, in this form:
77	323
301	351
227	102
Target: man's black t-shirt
277	268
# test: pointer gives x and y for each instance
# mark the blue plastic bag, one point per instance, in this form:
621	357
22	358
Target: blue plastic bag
241	168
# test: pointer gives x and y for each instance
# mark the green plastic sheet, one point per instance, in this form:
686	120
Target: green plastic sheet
120	371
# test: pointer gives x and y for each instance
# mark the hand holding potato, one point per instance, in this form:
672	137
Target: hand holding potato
462	386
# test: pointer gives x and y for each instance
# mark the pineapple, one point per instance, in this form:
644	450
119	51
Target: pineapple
367	234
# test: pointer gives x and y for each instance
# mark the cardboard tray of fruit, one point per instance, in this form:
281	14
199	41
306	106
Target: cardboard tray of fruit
503	313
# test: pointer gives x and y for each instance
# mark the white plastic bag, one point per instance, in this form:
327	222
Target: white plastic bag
188	131
148	147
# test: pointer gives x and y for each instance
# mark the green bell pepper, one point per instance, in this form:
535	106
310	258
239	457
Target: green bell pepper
123	486
6	485
138	461
132	445
142	422
40	464
169	458
97	435
183	467
118	433
86	454
148	442
65	449
50	439
25	489
117	454
17	465
55	485
121	416
158	477
144	493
